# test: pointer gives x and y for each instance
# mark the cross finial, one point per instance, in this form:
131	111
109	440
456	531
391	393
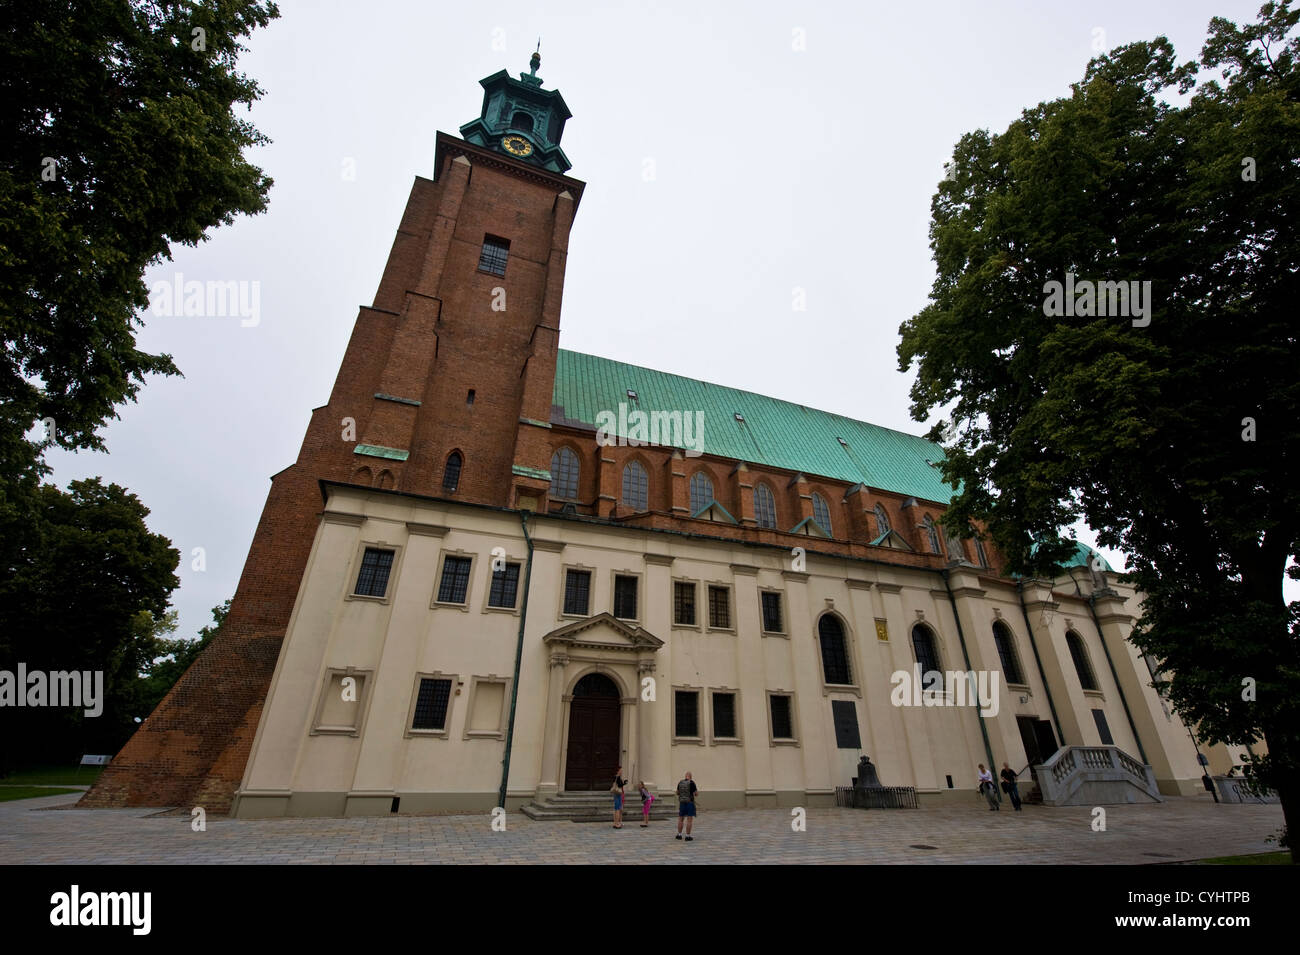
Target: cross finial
536	61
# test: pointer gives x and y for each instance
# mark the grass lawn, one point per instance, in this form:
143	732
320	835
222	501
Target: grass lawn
1262	858
53	776
10	793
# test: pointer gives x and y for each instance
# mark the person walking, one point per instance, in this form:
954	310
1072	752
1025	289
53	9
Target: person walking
1010	786
647	797
988	789
686	790
617	790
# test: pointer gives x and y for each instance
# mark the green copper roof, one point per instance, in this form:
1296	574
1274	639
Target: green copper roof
775	433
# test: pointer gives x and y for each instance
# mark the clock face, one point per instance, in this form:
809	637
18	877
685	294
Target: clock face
517	145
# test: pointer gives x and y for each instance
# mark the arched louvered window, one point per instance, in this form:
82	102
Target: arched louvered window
882	521
835	651
1087	679
822	514
636	487
1006	644
764	506
522	122
927	655
701	492
564	474
932	532
451	473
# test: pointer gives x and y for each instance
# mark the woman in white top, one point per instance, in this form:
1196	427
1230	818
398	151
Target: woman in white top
988	789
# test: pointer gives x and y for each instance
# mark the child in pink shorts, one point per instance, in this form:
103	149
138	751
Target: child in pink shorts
646	799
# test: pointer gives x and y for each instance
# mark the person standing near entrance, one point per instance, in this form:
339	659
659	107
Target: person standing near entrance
647	798
1010	787
988	789
686	791
617	790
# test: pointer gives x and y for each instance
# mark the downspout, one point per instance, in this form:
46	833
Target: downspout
1114	674
1038	661
519	654
961	638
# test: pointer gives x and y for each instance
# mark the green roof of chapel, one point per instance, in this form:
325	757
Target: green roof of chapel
775	433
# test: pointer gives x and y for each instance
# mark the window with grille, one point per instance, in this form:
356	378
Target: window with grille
372	581
1087	679
835	653
927	655
683	604
505	587
455	580
764	506
625	597
687	706
782	717
822	514
720	607
431	705
1007	653
724	715
577	592
493	257
636	487
882	521
845	716
701	492
451	473
564	474
771	603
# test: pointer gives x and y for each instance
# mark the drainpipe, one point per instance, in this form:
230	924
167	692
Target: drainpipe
961	638
1038	661
519	654
1114	675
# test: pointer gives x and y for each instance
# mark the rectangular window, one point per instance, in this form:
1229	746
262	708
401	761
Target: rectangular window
1103	728
720	607
782	721
505	587
625	597
493	257
683	604
687	706
724	715
455	580
845	714
772	612
577	592
431	705
375	566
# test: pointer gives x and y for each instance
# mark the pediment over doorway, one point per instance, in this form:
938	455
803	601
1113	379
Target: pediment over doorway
603	631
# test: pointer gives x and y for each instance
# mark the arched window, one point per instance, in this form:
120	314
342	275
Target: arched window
1006	644
451	473
764	506
521	121
882	521
701	492
835	651
822	514
932	533
927	654
980	553
1087	679
564	474
636	487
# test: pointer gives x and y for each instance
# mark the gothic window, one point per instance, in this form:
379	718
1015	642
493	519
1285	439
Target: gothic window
932	532
835	652
701	492
493	257
451	473
564	474
822	514
882	521
980	554
764	506
636	487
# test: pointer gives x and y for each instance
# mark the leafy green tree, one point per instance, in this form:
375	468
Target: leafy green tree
120	138
1174	434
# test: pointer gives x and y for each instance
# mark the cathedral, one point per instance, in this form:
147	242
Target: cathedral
499	570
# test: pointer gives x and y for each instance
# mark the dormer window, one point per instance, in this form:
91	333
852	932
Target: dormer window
631	394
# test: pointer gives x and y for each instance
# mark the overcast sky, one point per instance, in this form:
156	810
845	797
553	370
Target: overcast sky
733	152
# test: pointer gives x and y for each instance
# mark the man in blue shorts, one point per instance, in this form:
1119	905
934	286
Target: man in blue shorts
686	791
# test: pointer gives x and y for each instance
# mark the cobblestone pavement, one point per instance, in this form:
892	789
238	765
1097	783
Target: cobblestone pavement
1180	829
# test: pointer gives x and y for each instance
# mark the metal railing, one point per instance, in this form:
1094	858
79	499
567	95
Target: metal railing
883	797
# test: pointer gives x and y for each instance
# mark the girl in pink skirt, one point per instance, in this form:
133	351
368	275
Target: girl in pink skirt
646	799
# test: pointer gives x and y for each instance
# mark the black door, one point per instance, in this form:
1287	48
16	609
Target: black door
593	734
1038	739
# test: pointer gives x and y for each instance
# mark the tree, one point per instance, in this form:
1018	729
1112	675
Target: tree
120	138
1173	433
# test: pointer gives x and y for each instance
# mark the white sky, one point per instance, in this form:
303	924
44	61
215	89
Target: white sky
774	168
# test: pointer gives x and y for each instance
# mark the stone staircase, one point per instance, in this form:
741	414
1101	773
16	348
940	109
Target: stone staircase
598	807
1096	776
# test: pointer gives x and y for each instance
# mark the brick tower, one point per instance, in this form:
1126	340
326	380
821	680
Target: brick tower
444	390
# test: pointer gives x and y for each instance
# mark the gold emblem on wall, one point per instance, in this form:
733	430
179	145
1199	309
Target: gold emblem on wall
882	630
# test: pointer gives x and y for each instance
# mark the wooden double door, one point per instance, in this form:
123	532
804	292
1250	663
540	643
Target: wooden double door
594	724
